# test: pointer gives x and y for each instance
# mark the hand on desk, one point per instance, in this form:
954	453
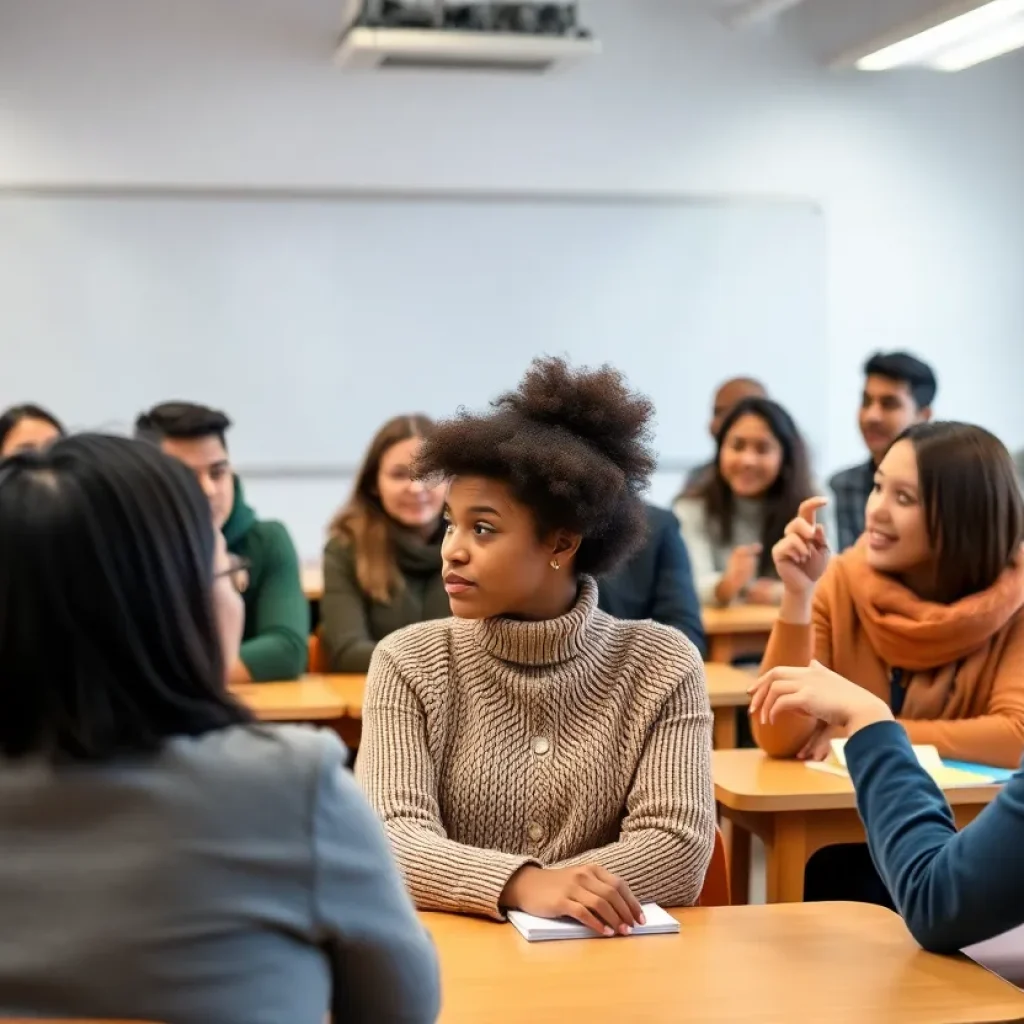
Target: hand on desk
764	591
588	894
816	692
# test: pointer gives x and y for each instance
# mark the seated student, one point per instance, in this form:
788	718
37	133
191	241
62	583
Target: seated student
732	520
728	395
382	565
534	752
926	612
275	645
657	582
898	392
164	857
26	427
954	889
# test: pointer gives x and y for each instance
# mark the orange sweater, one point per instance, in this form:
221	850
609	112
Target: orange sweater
971	706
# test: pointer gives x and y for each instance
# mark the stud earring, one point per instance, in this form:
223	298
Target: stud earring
555	564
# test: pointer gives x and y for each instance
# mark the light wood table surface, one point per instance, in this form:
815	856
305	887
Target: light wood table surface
738	630
844	963
312	580
727	688
309	699
796	811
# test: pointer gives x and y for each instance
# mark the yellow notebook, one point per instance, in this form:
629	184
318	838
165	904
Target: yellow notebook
927	757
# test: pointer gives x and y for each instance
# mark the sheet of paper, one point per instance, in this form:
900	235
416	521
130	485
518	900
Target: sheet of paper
541	929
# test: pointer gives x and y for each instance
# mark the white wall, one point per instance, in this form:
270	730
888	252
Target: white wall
920	176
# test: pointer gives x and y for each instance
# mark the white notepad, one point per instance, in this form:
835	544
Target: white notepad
540	929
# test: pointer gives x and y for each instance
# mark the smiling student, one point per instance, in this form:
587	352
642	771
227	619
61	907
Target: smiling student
899	391
730	521
382	565
925	611
533	752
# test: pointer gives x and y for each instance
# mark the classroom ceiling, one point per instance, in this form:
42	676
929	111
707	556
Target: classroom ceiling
831	28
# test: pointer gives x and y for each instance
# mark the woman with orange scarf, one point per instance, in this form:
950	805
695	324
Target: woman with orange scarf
925	612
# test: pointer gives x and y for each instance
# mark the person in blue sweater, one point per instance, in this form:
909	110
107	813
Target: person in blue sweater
954	889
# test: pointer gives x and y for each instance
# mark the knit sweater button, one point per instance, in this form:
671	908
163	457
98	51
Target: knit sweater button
535	832
541	745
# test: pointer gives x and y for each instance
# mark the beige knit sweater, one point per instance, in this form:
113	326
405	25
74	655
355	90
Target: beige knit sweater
490	745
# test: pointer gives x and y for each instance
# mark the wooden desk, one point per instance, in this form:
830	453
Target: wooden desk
312	580
738	630
310	699
845	963
796	811
727	688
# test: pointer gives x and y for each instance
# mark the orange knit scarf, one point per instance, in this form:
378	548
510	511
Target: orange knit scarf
943	647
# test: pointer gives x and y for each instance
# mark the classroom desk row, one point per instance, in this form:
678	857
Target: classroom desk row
793	810
732	632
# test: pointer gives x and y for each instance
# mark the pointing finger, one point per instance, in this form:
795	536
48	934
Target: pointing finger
809	508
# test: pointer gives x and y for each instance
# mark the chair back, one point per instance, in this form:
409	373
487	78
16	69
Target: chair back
317	660
716	882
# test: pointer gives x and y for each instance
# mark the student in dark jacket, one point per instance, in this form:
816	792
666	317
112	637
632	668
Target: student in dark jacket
382	564
657	583
275	645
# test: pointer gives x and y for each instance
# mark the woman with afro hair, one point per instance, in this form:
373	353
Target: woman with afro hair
533	752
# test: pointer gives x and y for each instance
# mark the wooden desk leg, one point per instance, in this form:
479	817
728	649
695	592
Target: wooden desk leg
737	844
720	648
786	855
724	729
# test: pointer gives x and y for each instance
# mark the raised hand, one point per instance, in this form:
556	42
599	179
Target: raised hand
801	556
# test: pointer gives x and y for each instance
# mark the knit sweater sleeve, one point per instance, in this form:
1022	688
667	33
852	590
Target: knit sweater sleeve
700	547
794	645
440	873
668	834
995	737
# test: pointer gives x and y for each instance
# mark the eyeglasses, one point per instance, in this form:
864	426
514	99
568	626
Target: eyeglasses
238	574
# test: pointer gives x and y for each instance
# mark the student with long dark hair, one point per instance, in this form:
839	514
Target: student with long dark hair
165	858
532	752
27	427
382	564
733	517
926	612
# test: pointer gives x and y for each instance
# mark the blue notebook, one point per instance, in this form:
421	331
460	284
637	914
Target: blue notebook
998	774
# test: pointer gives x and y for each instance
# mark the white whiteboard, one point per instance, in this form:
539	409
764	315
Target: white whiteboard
312	320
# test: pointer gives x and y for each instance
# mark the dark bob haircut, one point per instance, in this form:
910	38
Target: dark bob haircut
972	504
181	421
11	417
782	500
108	638
573	445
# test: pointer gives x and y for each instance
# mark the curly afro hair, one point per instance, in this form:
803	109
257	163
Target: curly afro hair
573	445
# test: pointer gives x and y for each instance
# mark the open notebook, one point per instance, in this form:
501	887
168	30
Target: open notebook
539	929
946	776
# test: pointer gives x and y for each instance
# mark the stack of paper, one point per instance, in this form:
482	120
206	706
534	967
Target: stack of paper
946	776
540	929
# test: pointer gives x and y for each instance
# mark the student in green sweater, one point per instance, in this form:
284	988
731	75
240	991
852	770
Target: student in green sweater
382	564
275	641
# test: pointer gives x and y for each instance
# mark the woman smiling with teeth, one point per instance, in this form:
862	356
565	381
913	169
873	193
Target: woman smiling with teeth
925	611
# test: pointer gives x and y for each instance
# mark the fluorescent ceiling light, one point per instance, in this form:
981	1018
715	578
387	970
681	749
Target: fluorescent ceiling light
988	31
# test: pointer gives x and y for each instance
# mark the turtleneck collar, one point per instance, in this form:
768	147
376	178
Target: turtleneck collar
542	643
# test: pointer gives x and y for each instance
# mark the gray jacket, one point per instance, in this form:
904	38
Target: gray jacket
237	878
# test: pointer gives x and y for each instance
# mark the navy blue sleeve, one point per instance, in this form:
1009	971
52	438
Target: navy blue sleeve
675	596
953	889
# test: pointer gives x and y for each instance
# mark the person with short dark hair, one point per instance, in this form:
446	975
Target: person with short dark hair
276	641
533	752
926	612
164	856
729	394
382	562
657	582
899	391
731	520
27	427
